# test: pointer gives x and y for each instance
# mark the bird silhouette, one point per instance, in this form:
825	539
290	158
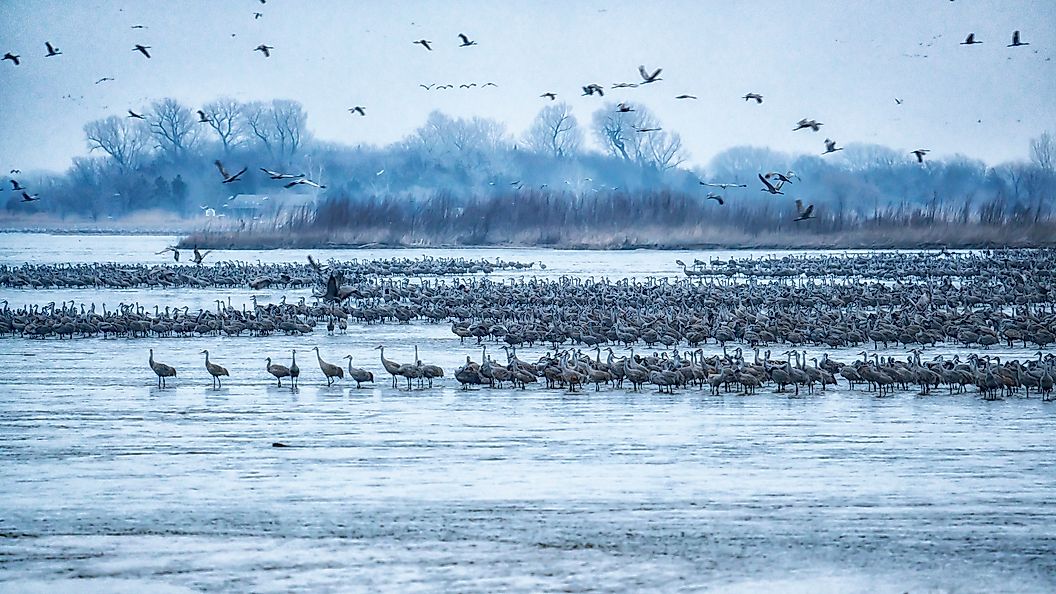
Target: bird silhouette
13	57
277	175
142	49
171	248
426	87
920	154
753	96
551	96
257	15
803	214
358	109
16	187
133	114
642	130
52	50
592	89
304	182
686	97
769	186
425	44
488	84
1015	40
970	40
264	49
465	40
104	79
830	147
27	198
805	123
202	118
716	198
624	108
723	186
898	101
228	178
649	78
138	27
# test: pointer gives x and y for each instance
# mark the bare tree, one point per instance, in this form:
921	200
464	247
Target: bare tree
1043	152
442	135
636	135
124	140
174	127
554	132
257	117
226	118
290	124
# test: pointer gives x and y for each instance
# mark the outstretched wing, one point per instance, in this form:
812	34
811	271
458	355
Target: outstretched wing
220	166
808	212
799	206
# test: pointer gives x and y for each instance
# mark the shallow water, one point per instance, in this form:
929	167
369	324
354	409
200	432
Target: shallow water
112	485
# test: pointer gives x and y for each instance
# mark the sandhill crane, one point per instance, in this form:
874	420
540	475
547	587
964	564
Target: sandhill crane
550	96
199	256
264	49
753	97
466	42
214	370
358	109
13	57
830	146
724	186
171	248
1015	40
685	97
592	89
329	369
278	175
803	214
970	40
805	123
391	366
716	198
304	181
104	79
295	372
228	178
54	51
919	153
424	43
203	118
360	375
428	372
624	108
769	186
162	370
26	197
279	371
647	77
142	49
135	115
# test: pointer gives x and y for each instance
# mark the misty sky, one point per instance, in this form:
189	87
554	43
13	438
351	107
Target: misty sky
842	63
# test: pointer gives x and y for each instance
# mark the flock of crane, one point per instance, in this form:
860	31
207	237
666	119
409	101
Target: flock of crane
897	299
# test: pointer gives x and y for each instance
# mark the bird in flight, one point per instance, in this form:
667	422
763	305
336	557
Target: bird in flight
648	129
104	79
52	50
970	40
264	49
624	108
830	147
716	198
753	96
277	175
804	213
27	198
16	187
228	178
142	49
920	154
625	86
898	101
782	177
304	182
1015	40
686	97
425	44
257	15
171	248
469	86
593	88
465	40
139	26
805	123
202	118
649	78
358	109
489	84
133	114
552	96
13	57
426	87
198	256
723	186
769	186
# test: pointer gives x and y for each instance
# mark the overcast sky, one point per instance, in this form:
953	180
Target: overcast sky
841	62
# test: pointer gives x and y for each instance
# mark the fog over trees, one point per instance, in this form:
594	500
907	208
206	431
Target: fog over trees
635	170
